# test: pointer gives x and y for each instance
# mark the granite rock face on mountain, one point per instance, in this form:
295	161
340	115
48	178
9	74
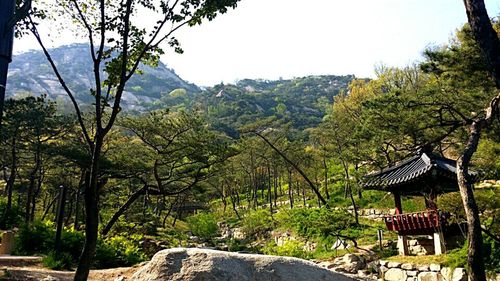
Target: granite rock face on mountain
30	73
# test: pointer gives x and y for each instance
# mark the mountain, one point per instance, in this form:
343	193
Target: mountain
302	101
31	73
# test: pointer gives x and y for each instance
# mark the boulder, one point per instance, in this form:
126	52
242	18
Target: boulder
184	264
349	263
457	274
395	274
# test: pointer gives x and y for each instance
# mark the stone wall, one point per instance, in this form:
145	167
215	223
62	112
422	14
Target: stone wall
396	271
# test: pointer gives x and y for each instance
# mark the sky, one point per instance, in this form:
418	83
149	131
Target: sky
273	39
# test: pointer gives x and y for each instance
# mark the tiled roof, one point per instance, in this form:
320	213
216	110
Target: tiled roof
410	171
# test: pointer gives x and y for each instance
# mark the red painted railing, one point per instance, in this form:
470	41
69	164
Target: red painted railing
425	222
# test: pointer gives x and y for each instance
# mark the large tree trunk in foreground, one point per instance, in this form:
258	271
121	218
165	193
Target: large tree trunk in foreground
489	44
475	247
91	214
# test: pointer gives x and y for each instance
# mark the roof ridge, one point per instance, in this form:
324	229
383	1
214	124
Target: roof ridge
395	166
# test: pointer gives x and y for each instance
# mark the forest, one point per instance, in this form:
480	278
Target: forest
233	166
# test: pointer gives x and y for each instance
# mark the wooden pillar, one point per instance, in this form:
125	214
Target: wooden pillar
397	202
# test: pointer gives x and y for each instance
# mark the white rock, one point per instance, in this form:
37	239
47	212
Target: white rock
182	264
395	274
393	264
435	267
429	276
423	267
411	272
407	266
458	274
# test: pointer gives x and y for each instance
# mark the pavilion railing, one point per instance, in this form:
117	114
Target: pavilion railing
424	222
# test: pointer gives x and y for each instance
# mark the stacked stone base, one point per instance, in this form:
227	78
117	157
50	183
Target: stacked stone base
395	271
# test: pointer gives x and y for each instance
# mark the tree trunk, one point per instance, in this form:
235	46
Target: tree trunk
325	167
122	209
233	203
304	176
269	193
290	189
475	239
60	217
349	190
91	214
37	193
10	182
32	182
488	41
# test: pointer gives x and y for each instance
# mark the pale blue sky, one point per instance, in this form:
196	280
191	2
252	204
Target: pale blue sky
291	38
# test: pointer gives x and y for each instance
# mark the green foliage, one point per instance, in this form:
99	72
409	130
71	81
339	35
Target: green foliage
203	225
12	218
38	238
235	245
257	222
35	238
456	257
118	251
58	261
290	248
492	255
316	223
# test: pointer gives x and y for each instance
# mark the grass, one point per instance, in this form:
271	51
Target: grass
455	258
438	259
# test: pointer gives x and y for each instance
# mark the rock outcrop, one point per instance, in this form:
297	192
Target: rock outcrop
192	264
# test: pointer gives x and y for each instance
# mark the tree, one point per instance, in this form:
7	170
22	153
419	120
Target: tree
9	16
118	45
489	44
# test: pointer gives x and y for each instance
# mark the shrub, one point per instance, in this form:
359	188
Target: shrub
457	257
13	218
291	248
38	238
118	251
492	255
316	223
58	261
203	225
257	222
35	238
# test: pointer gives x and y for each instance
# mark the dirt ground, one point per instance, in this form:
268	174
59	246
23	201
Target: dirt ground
37	273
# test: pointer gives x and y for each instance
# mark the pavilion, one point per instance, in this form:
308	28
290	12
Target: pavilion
425	174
